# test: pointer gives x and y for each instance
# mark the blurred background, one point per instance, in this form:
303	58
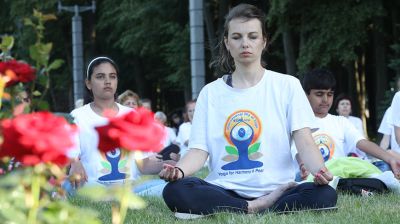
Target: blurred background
359	40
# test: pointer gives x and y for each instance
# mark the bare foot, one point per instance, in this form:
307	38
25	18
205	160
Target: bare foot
268	200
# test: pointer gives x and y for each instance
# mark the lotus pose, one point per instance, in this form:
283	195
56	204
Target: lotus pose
244	123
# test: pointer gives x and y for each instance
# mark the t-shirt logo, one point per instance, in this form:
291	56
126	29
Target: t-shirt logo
242	130
325	145
115	166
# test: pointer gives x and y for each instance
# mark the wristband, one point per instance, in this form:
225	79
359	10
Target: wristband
183	174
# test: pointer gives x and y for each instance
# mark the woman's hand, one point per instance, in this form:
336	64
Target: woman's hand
170	173
323	176
303	172
394	163
77	174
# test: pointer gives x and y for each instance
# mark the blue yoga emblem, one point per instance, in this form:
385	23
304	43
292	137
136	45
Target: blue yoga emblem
242	130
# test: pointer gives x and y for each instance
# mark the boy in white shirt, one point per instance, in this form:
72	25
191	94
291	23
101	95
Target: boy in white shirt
396	117
336	132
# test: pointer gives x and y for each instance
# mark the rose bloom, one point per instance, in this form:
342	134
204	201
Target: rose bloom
21	72
34	138
136	130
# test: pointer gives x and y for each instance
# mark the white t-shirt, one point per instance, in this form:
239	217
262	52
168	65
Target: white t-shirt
105	168
357	122
396	111
183	136
247	132
170	137
387	128
335	137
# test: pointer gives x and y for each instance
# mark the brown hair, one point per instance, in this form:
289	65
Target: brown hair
224	61
128	93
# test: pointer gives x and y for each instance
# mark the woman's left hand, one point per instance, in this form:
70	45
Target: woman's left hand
323	176
394	163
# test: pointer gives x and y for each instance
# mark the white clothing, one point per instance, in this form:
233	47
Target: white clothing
396	112
336	137
183	136
105	168
247	132
357	122
170	136
387	128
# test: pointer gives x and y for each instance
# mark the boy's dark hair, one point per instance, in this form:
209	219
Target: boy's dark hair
318	79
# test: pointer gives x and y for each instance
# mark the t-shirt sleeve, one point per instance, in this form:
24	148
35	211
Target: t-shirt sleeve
299	113
198	135
351	135
384	127
396	110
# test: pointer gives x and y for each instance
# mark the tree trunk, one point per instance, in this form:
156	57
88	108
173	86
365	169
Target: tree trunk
140	82
381	79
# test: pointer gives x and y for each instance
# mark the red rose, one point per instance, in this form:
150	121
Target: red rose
37	138
22	72
136	130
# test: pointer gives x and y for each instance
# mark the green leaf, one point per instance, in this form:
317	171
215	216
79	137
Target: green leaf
106	165
36	93
122	163
41	104
254	148
55	64
28	22
231	150
7	42
96	193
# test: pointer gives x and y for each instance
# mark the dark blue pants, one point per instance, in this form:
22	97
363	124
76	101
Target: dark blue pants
194	195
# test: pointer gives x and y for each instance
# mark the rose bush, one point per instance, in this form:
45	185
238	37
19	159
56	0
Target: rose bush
16	72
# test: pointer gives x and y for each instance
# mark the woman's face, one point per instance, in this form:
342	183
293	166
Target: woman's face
245	41
103	82
344	108
190	110
131	102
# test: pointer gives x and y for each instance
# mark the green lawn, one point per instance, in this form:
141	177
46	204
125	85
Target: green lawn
352	209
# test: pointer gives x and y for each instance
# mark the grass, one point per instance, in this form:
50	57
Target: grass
352	209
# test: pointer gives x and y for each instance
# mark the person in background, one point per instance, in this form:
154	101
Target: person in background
336	136
176	121
171	150
185	129
89	165
146	103
129	99
344	108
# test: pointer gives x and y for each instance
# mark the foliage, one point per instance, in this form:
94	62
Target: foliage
328	32
159	36
393	88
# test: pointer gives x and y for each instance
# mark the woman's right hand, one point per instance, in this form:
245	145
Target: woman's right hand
77	174
170	173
